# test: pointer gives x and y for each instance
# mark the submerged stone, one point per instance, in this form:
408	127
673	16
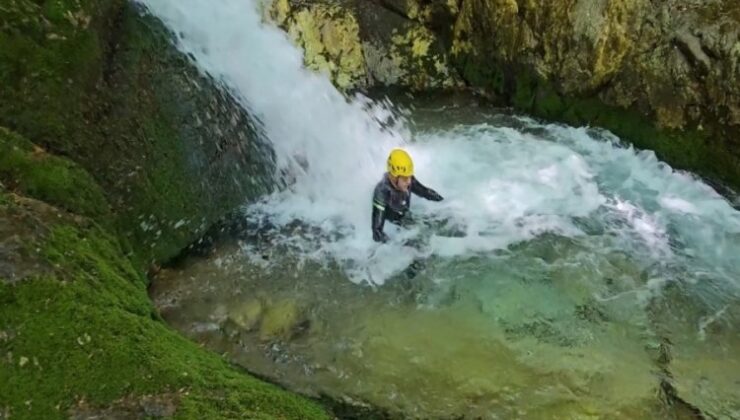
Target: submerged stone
280	320
247	314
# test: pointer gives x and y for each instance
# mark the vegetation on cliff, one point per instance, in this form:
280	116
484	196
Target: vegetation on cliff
115	153
79	336
102	84
360	45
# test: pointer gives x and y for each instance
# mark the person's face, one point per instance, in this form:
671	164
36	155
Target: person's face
403	183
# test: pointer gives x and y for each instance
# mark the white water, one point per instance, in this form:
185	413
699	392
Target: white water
503	185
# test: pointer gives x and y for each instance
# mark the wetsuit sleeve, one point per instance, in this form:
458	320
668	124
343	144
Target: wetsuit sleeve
422	191
378	217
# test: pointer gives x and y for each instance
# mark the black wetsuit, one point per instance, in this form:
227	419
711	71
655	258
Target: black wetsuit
392	204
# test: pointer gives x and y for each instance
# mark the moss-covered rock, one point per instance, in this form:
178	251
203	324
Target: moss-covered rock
362	45
280	319
180	152
663	75
246	315
329	37
115	152
101	84
52	55
81	336
702	150
30	170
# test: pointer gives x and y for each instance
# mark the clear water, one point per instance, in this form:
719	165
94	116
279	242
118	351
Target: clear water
564	274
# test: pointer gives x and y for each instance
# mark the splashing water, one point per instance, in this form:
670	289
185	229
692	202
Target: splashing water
503	184
555	234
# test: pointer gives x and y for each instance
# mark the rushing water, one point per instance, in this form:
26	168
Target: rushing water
565	274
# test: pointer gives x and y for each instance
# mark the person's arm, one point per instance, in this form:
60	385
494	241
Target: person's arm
425	192
378	217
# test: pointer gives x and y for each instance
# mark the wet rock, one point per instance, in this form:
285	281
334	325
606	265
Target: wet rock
329	36
492	375
362	44
708	379
179	151
663	75
220	314
246	315
699	350
590	312
281	320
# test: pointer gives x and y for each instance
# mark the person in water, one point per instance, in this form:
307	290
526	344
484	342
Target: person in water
392	195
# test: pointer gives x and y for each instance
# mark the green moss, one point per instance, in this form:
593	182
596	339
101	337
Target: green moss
88	333
30	170
549	103
523	96
55	10
491	78
49	65
96	82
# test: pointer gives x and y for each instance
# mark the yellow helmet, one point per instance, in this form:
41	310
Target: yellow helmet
400	163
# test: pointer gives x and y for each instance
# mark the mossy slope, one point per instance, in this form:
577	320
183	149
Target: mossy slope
115	153
82	336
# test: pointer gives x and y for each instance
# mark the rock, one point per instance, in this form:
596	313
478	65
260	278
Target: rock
29	219
220	314
362	45
662	75
692	48
147	406
176	145
246	315
280	320
401	51
605	63
457	360
329	36
701	350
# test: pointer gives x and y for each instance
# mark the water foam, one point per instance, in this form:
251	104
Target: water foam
503	184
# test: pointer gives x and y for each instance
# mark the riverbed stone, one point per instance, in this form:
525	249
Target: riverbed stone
280	319
246	315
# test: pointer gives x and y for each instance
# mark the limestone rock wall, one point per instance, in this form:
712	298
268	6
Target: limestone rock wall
662	75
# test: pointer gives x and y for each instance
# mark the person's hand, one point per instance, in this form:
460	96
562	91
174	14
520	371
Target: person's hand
434	196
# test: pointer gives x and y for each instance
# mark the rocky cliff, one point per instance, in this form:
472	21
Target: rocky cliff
98	83
662	75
